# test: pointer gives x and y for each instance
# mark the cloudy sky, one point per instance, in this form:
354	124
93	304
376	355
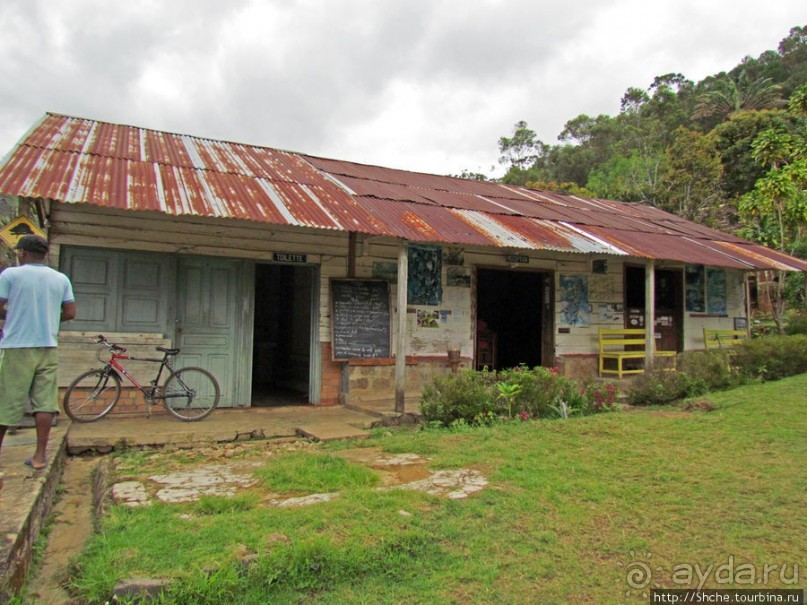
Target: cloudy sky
426	85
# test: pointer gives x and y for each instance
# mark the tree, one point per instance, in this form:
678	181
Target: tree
734	139
522	149
469	175
729	96
690	186
631	178
775	211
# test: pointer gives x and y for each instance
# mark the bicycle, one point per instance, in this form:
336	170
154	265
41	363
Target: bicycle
189	394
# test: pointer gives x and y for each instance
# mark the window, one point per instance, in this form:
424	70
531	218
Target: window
706	290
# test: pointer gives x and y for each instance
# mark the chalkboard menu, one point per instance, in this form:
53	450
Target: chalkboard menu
360	319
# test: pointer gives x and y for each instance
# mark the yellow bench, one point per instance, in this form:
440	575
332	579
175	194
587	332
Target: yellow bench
613	343
720	339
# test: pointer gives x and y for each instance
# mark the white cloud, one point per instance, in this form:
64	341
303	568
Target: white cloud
427	85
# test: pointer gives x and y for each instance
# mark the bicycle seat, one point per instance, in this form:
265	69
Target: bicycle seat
168	351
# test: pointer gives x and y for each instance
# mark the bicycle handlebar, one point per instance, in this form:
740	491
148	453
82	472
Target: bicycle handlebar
101	340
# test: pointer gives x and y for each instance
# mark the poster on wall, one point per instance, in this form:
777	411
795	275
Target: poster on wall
575	307
458	277
425	285
387	271
428	319
610	312
604	288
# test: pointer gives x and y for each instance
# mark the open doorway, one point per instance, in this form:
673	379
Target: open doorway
512	311
281	356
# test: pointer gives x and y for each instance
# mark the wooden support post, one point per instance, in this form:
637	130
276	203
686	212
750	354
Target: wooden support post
351	254
747	280
650	313
400	335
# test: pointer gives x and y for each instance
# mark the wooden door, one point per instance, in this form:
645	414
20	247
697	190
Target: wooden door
207	324
669	310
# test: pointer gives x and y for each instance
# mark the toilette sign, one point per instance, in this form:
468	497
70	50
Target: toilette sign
517	258
282	257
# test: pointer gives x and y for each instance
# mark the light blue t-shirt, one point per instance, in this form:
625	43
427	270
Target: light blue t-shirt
34	295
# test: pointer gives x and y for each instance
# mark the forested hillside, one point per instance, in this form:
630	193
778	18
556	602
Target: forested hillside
697	149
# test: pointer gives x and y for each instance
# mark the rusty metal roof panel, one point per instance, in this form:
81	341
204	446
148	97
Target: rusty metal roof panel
83	161
383	191
465	201
55	132
759	256
678	225
667	247
417	222
542	235
532	208
499	233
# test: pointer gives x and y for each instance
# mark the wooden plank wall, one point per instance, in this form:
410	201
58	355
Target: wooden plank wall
79	353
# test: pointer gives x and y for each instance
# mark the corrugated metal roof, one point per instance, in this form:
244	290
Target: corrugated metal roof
75	160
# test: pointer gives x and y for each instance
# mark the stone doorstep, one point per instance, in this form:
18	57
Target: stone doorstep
331	432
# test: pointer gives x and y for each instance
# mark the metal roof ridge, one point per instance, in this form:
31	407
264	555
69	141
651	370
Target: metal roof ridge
168	132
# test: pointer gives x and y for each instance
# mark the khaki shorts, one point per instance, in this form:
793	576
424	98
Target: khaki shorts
24	373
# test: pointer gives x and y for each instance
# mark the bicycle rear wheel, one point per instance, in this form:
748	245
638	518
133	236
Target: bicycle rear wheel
92	395
191	394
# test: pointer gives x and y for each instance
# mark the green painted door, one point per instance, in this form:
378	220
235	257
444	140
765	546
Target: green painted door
209	322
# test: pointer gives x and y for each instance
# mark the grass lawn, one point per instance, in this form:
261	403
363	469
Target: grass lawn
571	508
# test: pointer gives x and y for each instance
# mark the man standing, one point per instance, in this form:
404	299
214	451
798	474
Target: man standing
34	299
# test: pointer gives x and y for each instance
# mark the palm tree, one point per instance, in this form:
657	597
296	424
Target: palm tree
729	97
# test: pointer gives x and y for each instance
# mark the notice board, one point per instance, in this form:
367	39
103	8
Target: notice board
360	319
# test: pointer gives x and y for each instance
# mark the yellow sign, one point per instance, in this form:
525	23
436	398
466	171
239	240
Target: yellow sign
11	233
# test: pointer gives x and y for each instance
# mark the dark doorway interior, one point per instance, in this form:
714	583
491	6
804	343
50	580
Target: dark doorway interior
634	297
509	318
669	305
281	358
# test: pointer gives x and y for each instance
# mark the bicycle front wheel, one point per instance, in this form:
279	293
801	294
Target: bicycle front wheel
191	394
92	395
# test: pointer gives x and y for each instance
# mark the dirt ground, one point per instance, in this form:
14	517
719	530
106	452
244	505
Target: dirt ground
70	530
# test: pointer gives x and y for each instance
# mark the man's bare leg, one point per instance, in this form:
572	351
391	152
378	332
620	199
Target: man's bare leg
43	422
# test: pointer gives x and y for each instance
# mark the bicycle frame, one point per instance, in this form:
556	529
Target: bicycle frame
149	392
152	391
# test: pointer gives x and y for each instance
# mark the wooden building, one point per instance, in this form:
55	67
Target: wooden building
281	272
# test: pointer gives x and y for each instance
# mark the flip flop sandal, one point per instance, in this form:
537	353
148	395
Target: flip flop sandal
30	462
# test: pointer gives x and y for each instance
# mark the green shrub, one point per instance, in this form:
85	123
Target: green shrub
483	398
768	357
771	357
658	387
465	395
709	370
541	389
796	322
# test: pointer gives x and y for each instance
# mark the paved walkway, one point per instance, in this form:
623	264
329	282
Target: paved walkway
223	425
27	495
